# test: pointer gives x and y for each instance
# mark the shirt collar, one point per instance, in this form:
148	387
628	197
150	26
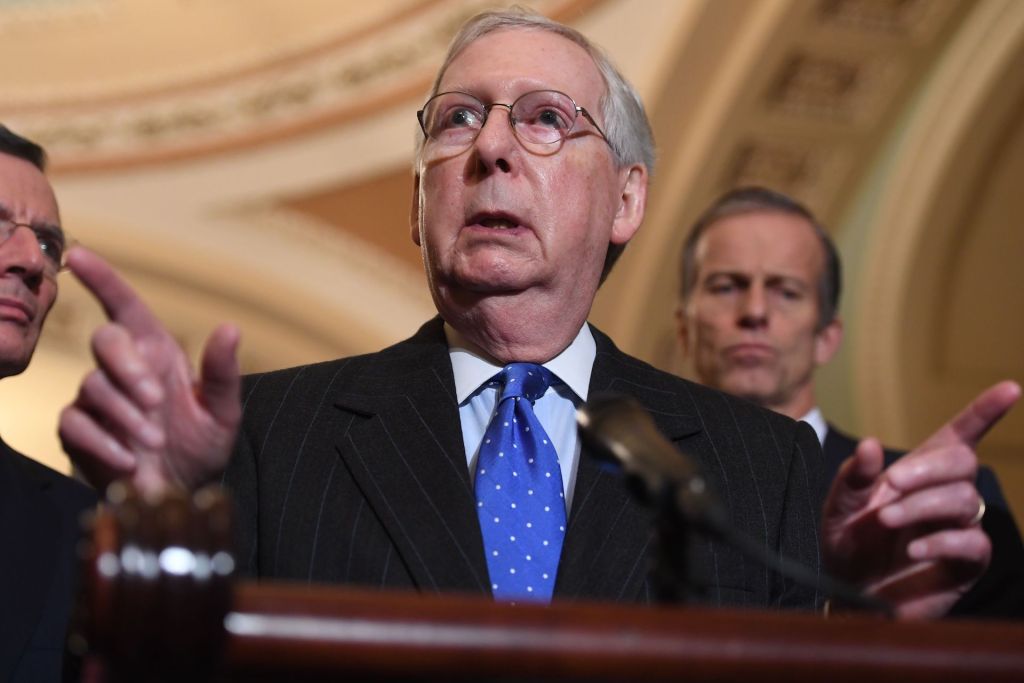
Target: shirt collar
817	422
472	366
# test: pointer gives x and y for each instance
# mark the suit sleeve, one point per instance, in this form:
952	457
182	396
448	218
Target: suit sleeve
1000	591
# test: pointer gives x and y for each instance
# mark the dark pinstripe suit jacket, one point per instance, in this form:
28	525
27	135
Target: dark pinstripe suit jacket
39	511
354	471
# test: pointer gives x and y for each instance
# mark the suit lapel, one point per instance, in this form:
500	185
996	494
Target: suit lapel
404	448
606	546
29	531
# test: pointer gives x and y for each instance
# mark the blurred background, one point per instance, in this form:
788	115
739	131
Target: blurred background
249	160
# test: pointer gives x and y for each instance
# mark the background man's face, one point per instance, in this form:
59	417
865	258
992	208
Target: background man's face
26	295
750	323
501	218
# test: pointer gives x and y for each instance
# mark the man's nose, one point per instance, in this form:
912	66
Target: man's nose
754	307
496	140
21	254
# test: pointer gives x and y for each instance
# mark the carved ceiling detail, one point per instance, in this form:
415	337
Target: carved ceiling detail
828	98
919	18
327	85
799	168
843	89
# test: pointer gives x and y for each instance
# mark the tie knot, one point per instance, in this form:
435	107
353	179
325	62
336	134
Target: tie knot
525	379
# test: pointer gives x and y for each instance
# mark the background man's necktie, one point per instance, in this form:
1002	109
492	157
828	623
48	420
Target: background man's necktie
519	494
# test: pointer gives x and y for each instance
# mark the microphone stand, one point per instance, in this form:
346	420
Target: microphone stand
670	573
619	431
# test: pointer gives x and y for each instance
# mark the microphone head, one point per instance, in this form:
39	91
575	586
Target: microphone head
618	430
599	422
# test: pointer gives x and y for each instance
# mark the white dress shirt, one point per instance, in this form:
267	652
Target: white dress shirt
556	409
817	422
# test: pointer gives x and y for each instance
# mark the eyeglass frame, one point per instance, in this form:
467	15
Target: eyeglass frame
59	264
511	120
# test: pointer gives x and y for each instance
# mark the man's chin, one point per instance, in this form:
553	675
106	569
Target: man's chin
13	357
490	281
761	393
10	369
759	397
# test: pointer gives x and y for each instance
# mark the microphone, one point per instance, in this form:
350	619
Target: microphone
619	431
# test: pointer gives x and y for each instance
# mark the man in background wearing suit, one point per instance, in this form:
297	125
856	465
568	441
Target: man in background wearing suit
419	466
758	315
39	508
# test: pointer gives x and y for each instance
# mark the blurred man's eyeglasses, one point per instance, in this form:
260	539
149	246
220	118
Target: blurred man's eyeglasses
542	117
51	239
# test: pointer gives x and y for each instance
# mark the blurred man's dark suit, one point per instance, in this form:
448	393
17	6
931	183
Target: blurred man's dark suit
39	530
1000	592
354	471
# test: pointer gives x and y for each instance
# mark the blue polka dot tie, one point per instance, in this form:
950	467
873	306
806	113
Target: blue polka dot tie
519	494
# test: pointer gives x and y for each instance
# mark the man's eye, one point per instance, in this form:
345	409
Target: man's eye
462	117
52	246
551	118
790	294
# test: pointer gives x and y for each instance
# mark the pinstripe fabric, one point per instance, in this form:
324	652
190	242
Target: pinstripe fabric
353	471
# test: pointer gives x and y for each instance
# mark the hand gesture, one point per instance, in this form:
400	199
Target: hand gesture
143	413
911	534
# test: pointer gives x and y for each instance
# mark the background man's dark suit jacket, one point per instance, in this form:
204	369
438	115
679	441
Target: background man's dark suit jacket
1000	592
354	471
39	512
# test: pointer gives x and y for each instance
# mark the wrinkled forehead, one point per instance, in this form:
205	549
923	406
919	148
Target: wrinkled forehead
508	62
25	192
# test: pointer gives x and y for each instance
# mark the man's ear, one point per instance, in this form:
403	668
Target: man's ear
632	203
827	341
414	209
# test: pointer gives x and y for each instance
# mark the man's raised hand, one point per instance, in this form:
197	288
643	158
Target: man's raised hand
143	413
910	534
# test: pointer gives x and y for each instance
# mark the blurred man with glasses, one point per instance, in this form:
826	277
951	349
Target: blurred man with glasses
380	470
39	508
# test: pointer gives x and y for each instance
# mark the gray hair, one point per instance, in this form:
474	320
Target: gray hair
744	200
625	120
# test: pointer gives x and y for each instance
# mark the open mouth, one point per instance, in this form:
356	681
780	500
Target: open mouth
498	223
495	221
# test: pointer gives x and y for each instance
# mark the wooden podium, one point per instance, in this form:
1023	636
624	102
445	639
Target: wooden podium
160	603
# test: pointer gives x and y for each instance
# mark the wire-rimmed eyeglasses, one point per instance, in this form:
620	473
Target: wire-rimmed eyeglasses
51	240
455	119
